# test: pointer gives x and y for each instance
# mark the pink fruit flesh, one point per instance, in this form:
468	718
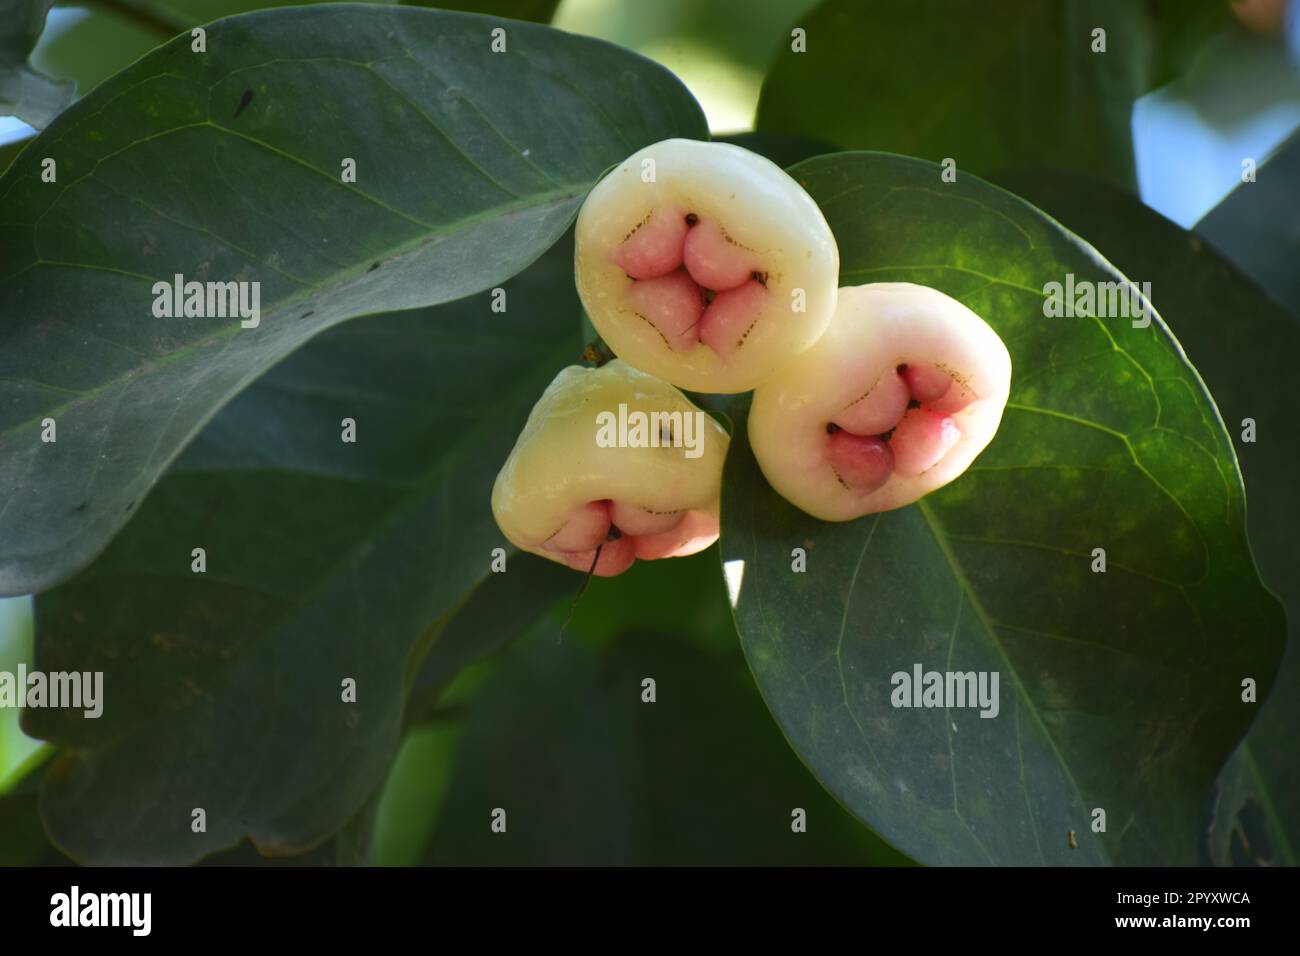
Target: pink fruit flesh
926	382
640	534
696	532
635	521
584	530
615	557
673	304
713	261
864	464
953	400
655	249
879	410
921	439
730	316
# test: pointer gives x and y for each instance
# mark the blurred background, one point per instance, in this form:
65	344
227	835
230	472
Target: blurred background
539	725
1242	98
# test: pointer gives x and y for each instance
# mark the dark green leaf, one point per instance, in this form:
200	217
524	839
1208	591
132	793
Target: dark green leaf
1118	691
955	78
1244	346
1252	817
108	37
9	152
325	561
226	166
503	607
588	773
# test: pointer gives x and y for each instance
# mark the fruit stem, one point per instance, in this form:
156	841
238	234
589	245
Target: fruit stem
586	579
596	353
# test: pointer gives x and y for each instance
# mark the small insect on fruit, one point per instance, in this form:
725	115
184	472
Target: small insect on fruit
705	264
897	399
613	465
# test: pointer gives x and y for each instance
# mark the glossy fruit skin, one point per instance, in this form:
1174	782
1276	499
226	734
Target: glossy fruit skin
557	467
761	207
877	328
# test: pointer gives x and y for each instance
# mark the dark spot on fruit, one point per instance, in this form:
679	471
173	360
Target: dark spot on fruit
901	369
243	102
913	403
691	219
832	428
639	225
667	344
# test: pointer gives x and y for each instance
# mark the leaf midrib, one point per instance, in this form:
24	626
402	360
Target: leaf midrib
986	622
554	198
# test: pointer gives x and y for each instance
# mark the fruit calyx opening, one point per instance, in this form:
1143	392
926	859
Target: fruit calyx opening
903	425
607	536
692	281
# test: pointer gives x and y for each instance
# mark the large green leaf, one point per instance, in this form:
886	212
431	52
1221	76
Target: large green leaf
701	776
1118	690
25	92
108	37
500	609
589	773
1244	345
325	560
226	165
988	87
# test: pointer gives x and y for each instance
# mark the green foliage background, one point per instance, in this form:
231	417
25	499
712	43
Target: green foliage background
493	690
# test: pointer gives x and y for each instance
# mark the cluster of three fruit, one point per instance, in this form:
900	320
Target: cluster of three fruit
706	267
